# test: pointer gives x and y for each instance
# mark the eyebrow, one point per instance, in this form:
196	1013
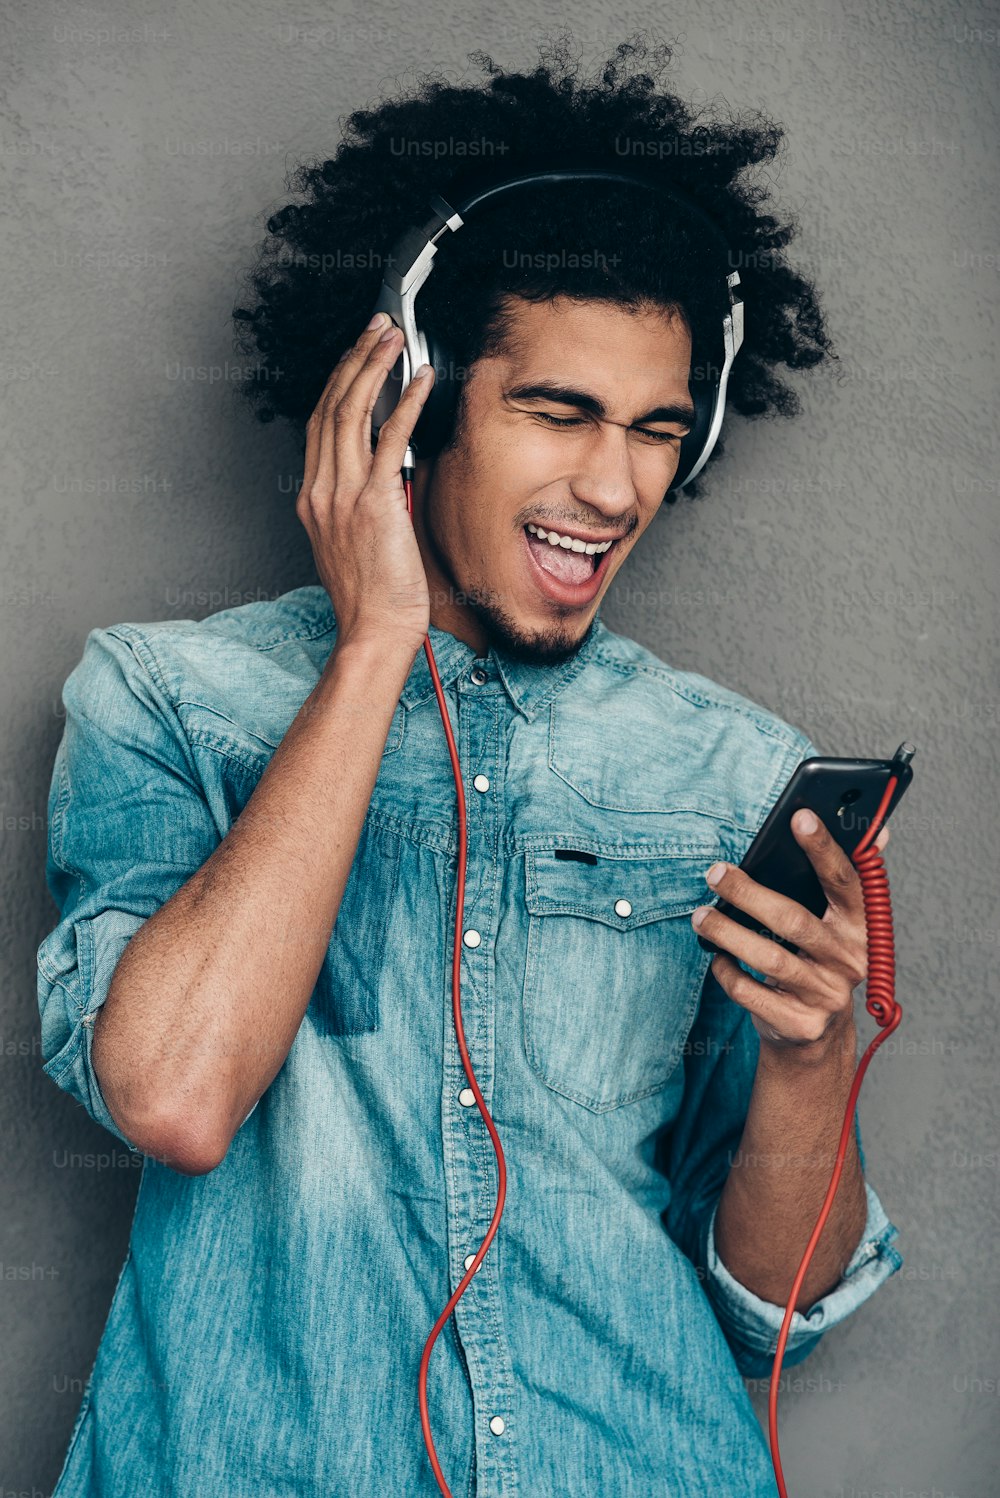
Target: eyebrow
563	395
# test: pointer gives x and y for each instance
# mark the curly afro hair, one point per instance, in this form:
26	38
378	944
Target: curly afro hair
318	273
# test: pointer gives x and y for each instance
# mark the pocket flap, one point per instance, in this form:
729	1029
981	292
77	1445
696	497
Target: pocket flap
620	892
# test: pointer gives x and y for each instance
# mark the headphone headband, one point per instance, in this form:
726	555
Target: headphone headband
411	262
590	173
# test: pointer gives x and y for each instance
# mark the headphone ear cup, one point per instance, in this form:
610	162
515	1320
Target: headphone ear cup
702	393
435	421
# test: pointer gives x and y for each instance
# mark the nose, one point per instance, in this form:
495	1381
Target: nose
603	477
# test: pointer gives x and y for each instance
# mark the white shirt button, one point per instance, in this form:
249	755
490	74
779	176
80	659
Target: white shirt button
498	1425
622	907
472	938
469	1260
479	677
466	1097
481	783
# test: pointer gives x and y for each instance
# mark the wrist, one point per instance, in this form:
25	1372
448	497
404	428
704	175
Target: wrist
369	656
361	677
836	1051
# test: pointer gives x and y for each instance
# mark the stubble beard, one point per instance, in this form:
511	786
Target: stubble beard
549	647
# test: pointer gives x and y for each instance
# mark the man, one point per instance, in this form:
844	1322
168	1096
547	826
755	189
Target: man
253	847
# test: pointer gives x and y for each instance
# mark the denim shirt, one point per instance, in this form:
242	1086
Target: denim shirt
266	1329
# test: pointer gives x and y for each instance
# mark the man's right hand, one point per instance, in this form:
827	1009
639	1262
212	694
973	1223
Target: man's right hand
352	502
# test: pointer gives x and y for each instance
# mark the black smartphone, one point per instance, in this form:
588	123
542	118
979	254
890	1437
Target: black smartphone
845	795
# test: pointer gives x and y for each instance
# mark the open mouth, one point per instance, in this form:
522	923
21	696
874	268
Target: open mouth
570	559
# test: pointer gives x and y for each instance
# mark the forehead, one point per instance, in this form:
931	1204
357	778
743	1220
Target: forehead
602	339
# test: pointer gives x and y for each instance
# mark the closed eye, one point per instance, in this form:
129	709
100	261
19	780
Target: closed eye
577	421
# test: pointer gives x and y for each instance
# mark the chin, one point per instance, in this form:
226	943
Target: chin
537	644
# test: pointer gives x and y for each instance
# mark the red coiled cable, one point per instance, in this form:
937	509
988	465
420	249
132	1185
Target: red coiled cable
879	1001
882	1006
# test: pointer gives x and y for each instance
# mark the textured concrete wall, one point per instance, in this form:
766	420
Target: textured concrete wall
841	571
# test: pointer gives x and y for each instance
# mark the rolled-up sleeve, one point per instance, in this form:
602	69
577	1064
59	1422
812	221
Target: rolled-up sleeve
753	1324
127	825
720	1064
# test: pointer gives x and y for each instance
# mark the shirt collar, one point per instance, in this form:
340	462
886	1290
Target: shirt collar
530	687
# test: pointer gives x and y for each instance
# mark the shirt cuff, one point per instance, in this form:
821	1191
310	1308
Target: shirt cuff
752	1325
75	966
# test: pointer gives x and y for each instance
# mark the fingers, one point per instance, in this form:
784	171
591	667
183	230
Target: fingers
751	995
345	433
834	870
394	435
753	948
338	433
320	455
776	912
782	1019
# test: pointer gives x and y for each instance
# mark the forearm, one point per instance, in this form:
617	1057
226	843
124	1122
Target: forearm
779	1178
211	991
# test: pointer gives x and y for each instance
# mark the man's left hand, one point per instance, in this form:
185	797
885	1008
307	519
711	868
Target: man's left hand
808	996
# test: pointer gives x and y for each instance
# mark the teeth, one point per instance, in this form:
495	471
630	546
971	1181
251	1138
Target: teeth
570	543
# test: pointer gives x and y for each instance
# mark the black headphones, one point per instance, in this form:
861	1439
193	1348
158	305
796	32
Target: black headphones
411	263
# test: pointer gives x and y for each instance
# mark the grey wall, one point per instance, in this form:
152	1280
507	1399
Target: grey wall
841	571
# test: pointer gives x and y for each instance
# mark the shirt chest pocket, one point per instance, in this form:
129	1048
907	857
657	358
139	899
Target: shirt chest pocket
613	972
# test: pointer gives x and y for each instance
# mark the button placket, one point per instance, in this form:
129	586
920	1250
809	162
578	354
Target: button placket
470	1161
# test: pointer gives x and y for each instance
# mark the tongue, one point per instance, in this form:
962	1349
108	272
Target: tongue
568	566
